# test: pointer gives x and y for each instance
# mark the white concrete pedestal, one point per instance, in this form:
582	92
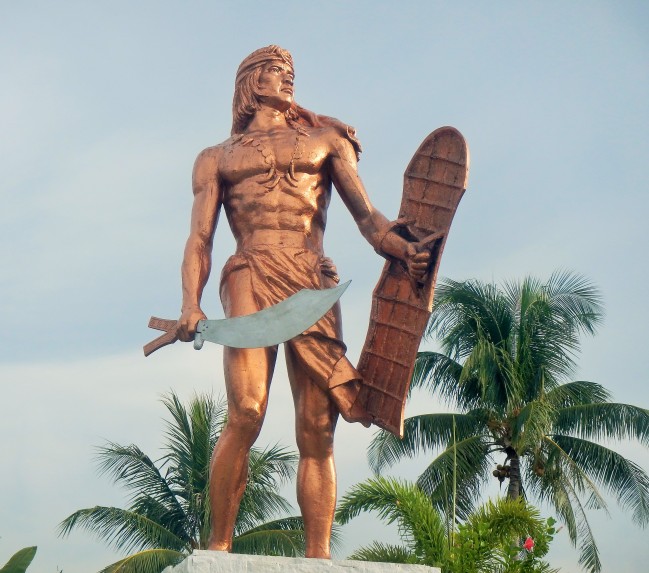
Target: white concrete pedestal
221	562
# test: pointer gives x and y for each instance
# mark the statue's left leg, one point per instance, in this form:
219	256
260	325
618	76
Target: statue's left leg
315	421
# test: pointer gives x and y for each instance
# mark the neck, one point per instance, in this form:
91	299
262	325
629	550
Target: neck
267	118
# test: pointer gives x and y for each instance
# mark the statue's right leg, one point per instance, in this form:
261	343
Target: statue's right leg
248	372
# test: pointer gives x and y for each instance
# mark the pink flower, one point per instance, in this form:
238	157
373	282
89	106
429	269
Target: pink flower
529	544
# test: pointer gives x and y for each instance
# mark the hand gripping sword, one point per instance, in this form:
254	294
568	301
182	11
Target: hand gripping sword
267	327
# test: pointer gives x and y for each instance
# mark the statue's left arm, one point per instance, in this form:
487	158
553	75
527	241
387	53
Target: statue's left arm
374	226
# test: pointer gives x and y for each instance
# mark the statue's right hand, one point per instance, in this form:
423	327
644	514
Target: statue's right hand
187	322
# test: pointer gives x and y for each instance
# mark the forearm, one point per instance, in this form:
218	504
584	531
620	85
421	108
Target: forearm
393	246
374	226
195	270
380	233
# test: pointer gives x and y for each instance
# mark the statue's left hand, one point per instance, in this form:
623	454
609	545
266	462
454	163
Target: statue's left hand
417	262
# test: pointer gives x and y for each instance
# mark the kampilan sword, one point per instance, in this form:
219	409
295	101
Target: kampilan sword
267	327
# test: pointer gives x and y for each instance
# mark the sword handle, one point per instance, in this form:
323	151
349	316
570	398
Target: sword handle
169	336
426	241
198	341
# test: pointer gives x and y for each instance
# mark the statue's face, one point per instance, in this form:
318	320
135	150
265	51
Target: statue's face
275	85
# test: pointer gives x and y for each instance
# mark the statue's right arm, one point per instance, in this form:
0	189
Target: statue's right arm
197	260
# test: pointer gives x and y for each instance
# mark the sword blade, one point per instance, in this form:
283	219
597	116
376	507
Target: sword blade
272	325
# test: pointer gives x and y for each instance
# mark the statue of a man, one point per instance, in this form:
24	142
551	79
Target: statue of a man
273	177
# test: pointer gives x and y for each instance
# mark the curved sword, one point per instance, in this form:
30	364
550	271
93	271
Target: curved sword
267	327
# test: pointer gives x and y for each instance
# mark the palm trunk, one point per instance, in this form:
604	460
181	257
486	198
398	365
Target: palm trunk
514	488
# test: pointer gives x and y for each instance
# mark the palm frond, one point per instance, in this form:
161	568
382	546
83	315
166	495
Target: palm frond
437	373
489	378
620	476
559	493
273	466
588	551
469	461
150	508
550	318
418	522
191	434
124	529
578	393
385	553
560	462
465	310
532	423
427	431
556	486
258	505
550	488
390	498
605	421
148	561
576	299
134	470
280	537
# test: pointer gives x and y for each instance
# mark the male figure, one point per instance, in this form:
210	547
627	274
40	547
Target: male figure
273	178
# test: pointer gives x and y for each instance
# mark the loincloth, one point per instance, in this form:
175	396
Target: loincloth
276	274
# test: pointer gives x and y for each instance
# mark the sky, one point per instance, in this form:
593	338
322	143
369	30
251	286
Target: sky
103	109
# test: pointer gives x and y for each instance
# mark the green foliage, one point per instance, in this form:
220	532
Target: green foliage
419	523
146	560
507	356
488	541
168	515
19	561
385	553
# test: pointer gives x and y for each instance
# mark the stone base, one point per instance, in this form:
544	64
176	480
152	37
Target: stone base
222	562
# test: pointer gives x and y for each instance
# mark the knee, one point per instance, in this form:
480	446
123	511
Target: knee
246	417
315	437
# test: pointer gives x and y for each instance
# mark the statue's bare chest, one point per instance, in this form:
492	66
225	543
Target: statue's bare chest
288	154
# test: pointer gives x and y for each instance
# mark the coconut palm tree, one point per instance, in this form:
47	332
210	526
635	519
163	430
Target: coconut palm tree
506	364
489	541
168	515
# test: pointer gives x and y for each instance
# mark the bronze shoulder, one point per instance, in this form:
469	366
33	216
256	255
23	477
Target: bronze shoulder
206	167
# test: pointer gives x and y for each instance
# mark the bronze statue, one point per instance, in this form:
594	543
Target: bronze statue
273	178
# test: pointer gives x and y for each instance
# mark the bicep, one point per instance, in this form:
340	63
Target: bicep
344	174
207	195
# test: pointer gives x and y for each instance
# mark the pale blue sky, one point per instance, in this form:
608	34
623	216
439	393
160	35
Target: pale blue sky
103	108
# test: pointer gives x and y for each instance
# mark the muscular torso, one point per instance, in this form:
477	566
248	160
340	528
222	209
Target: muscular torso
276	187
275	195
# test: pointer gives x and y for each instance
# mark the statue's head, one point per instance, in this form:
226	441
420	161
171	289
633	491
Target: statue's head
246	99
